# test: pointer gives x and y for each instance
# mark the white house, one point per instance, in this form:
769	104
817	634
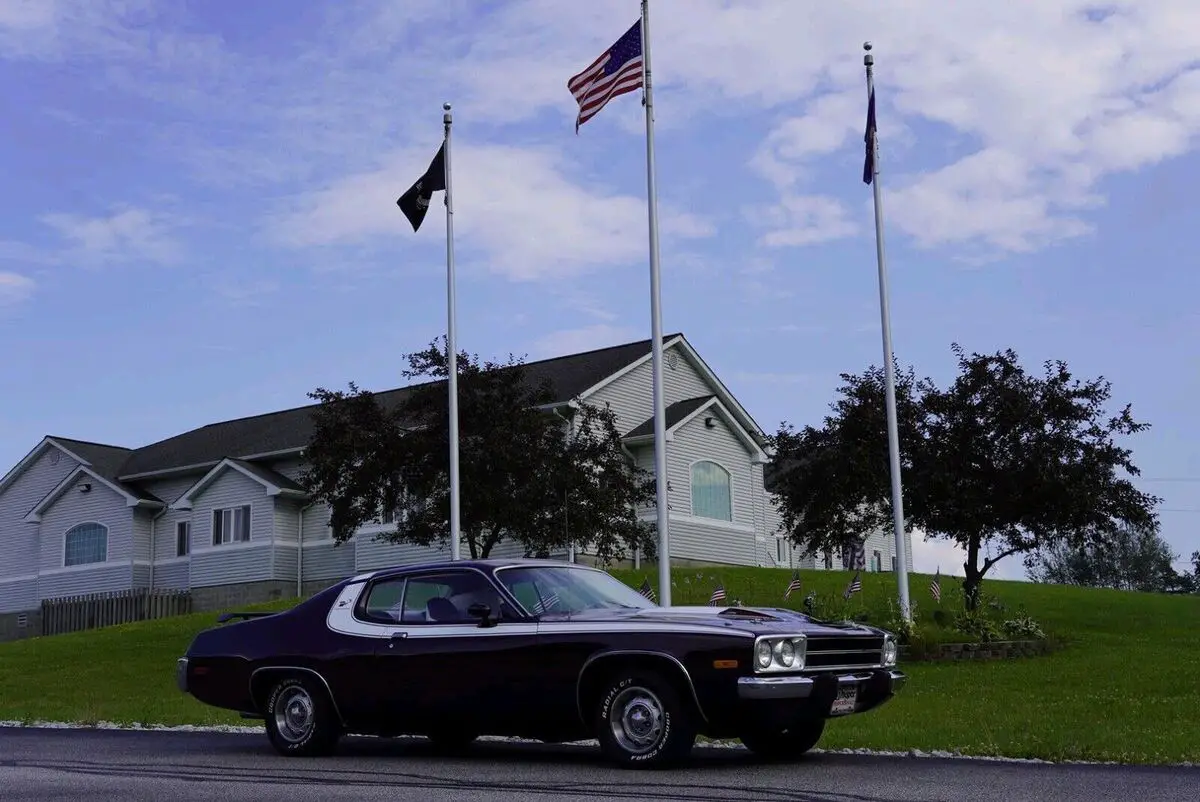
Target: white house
218	510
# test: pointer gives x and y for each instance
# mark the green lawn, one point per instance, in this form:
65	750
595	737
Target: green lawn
1123	688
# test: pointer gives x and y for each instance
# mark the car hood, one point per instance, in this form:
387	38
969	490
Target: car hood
759	620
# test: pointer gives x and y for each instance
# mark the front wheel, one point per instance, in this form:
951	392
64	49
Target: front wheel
643	721
788	743
300	718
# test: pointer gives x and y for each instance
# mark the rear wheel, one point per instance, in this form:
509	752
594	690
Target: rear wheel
787	743
300	718
643	721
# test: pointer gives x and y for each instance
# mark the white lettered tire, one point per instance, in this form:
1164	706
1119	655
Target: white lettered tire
643	720
300	718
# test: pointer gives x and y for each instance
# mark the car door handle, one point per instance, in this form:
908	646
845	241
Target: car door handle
395	636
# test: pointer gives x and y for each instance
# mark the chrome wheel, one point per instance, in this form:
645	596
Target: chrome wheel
636	717
295	716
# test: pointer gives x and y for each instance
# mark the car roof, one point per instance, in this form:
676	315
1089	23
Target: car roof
486	565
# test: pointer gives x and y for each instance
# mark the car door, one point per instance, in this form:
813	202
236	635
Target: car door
437	665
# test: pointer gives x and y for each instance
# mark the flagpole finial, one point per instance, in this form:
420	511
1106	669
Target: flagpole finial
446	114
868	59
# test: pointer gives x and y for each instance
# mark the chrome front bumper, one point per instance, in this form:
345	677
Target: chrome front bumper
801	687
181	667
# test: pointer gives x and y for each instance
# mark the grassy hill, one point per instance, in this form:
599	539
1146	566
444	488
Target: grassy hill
1123	688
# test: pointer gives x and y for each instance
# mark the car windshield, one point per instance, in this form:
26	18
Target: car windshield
553	590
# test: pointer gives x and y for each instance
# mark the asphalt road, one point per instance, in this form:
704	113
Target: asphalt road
83	765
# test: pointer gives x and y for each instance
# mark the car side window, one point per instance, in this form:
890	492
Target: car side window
383	601
446	597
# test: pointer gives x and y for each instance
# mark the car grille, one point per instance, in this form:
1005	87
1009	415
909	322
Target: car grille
845	652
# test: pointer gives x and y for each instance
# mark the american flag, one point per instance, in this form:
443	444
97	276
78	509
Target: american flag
854	587
545	603
935	587
794	585
618	71
648	591
718	594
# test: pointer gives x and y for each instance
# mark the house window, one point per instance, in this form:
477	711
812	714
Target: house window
876	561
231	525
711	492
183	538
86	543
893	563
829	561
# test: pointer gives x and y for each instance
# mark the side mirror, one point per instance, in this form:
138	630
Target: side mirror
483	612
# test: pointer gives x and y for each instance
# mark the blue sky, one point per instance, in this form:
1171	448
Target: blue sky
198	220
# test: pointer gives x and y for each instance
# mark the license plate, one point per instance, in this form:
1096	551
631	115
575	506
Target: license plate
845	701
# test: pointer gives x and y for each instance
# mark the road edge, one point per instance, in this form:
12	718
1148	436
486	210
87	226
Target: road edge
938	754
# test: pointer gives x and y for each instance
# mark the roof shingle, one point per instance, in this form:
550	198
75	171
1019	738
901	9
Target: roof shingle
674	414
292	428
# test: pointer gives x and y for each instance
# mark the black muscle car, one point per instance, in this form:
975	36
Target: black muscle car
536	649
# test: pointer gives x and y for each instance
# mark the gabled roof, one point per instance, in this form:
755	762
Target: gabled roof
289	431
681	412
275	483
682	346
675	413
572	378
104	460
134	496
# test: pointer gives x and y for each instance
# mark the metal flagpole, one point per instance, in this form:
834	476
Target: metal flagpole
451	351
888	370
656	347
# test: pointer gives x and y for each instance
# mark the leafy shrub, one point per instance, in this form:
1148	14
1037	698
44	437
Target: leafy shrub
1023	627
976	625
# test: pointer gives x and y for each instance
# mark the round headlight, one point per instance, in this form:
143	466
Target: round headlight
764	654
787	652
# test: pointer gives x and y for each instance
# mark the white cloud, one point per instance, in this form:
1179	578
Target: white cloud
516	205
1042	101
15	288
127	235
804	220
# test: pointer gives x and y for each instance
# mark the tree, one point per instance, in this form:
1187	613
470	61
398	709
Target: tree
523	475
1000	462
1131	559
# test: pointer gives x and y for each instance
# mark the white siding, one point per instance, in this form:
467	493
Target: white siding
17	595
232	489
169	490
19	550
631	397
371	554
326	560
101	505
174	573
232	562
102	578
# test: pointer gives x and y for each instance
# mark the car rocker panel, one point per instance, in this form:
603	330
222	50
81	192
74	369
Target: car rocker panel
539	649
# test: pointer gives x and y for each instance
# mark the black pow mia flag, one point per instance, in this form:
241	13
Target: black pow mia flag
415	202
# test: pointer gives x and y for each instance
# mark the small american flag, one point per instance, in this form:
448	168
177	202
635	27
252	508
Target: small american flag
935	587
618	71
794	585
854	587
648	591
718	594
545	603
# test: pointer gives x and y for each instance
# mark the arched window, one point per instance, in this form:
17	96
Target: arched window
86	543
711	491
